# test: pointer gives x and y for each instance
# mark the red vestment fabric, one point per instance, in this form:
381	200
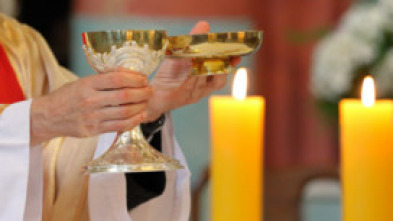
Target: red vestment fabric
10	90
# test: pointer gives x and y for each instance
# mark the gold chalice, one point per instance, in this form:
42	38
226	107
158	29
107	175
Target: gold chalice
138	50
210	53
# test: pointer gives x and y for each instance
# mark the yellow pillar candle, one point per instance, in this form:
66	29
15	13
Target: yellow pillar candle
236	171
367	159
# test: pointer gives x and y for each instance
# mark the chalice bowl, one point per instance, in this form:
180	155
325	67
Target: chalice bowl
137	50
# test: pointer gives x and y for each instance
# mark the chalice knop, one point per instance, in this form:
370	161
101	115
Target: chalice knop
138	50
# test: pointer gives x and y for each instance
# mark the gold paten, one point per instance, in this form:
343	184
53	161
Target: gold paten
210	53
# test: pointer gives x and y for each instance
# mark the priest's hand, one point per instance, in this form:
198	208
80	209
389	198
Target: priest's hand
92	105
173	86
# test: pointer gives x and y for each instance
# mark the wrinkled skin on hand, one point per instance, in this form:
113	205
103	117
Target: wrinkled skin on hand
174	87
119	100
113	101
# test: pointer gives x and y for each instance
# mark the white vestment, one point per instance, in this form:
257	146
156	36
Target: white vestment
45	182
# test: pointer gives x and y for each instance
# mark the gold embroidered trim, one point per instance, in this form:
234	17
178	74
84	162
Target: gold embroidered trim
2	107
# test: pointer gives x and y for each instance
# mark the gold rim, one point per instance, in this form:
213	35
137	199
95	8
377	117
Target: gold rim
103	41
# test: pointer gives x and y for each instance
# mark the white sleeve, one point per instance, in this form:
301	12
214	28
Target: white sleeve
14	161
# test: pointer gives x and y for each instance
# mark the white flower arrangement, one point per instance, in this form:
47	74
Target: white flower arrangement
359	41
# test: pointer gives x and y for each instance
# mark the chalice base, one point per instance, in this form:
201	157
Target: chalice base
132	153
211	66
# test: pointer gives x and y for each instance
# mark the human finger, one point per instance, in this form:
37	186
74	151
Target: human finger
122	125
120	79
121	112
124	96
186	89
200	27
201	86
214	83
218	82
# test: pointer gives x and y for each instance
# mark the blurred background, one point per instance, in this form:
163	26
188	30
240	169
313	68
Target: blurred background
313	54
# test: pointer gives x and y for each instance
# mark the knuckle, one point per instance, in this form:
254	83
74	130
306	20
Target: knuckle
146	93
115	79
222	83
150	90
134	95
138	108
188	100
143	80
87	101
132	122
85	82
90	123
118	126
125	112
134	79
143	105
91	130
124	95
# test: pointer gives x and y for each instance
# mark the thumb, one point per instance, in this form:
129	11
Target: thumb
200	28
